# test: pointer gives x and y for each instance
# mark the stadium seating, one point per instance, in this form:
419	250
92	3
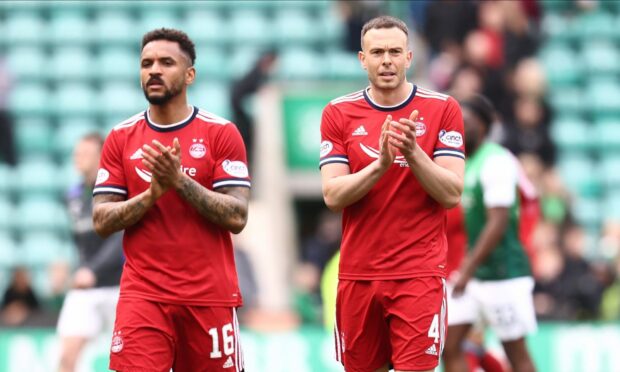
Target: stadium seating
33	134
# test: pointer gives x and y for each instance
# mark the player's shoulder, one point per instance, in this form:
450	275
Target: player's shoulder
130	122
432	96
347	98
210	118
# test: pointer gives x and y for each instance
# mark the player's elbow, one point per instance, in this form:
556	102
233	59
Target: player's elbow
451	201
237	223
100	228
332	203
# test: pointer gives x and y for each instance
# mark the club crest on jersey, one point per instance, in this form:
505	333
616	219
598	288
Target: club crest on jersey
451	138
326	148
420	128
117	343
235	168
102	176
197	150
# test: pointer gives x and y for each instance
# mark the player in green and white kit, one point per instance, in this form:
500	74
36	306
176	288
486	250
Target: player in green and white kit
494	280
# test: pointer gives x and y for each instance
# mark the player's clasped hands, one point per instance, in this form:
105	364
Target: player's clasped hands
403	138
164	163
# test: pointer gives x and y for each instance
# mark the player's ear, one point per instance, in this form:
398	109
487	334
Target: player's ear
409	58
362	57
190	75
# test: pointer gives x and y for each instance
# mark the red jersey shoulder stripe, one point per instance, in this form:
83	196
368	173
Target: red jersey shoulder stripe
426	93
349	97
211	118
129	122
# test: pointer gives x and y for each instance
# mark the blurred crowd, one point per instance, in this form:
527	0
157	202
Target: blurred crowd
466	47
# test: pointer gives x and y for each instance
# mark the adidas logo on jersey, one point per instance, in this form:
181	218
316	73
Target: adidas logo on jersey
360	131
432	350
229	363
136	155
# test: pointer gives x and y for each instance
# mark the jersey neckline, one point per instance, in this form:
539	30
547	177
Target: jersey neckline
170	127
390	108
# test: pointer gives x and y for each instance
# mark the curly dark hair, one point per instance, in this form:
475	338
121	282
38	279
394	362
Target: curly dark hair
170	34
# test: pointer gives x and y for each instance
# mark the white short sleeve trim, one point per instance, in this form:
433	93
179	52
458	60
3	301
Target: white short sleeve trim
499	179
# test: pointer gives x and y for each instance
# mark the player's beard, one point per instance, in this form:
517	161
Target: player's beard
169	93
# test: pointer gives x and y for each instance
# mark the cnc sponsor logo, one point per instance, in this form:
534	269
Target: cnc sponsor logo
451	138
235	168
102	176
326	148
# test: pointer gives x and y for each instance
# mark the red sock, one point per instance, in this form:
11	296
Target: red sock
473	362
490	364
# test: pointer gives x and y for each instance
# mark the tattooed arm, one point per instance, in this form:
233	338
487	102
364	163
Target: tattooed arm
111	213
227	207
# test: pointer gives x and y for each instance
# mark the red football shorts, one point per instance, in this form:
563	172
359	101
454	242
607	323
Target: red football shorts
153	336
400	322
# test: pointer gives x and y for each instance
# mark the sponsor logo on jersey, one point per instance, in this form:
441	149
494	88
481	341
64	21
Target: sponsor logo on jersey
451	138
326	148
432	350
102	176
229	363
197	150
360	131
136	155
420	128
235	168
117	343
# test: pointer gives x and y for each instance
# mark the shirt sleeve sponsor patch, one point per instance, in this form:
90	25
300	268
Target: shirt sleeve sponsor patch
235	168
326	148
102	176
451	138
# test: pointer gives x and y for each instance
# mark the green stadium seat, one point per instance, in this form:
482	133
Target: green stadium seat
69	131
601	58
595	25
603	97
7	213
345	65
41	249
211	97
30	98
212	64
295	26
567	100
332	28
69	26
206	28
576	171
570	133
73	99
33	135
24	27
37	177
249	26
113	27
7	179
157	18
118	63
608	134
8	252
301	64
557	26
611	202
121	99
71	63
561	64
38	214
587	212
609	170
242	60
27	62
68	174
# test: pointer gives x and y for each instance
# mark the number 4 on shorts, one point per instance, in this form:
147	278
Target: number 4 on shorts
433	331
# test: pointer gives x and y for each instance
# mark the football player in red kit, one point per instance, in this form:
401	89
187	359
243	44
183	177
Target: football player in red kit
175	178
392	159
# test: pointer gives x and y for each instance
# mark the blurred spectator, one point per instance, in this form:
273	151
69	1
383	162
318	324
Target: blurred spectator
354	14
529	130
447	22
325	242
610	304
8	152
247	282
519	41
306	301
19	300
466	82
245	87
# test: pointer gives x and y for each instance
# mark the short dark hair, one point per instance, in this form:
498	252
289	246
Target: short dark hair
383	22
482	107
170	34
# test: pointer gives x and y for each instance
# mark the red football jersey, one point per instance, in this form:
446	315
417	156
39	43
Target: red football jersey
397	230
173	254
